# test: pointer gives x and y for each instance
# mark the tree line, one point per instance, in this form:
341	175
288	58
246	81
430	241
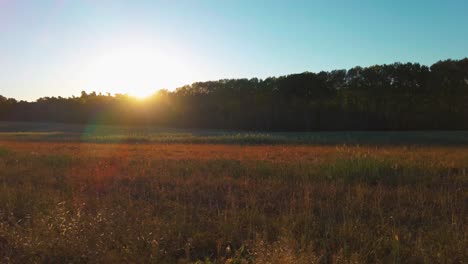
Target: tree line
398	96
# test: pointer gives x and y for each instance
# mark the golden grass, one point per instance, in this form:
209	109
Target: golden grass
454	156
155	203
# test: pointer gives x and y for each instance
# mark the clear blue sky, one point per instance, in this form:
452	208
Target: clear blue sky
59	48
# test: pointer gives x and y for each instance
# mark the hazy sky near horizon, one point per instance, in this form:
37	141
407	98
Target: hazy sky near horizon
60	47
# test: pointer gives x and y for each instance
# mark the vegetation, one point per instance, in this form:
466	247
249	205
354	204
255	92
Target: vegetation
64	202
94	133
387	97
104	180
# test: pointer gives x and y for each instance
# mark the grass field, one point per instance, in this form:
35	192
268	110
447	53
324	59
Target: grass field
311	198
93	133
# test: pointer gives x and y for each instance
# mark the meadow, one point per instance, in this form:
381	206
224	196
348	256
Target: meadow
99	133
97	194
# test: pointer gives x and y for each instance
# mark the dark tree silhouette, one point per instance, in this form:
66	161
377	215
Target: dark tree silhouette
398	96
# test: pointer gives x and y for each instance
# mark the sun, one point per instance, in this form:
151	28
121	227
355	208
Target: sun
142	94
137	69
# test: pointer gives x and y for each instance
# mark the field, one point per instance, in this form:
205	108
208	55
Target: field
97	194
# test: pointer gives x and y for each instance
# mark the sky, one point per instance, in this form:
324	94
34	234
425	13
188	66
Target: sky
62	47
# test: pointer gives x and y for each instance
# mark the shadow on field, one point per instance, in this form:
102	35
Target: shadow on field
114	134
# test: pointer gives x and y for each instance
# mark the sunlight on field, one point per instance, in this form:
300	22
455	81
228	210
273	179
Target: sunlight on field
163	203
100	193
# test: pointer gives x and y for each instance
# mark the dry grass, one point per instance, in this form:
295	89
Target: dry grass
154	203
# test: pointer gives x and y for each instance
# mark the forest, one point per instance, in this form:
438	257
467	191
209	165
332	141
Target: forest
398	96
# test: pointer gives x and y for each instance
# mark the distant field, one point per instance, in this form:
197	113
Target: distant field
288	198
114	134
